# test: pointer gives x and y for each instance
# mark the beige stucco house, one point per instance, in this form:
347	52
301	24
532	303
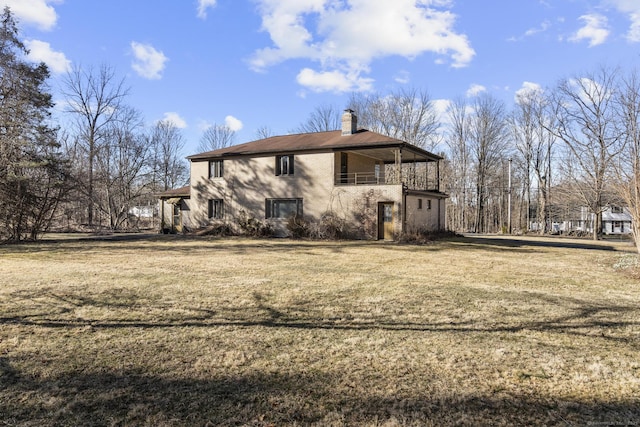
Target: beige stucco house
379	186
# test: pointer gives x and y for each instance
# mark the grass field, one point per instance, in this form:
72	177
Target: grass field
172	331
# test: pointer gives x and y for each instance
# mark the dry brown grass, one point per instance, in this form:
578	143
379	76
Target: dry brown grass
171	331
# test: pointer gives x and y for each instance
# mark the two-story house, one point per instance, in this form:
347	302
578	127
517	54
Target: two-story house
380	186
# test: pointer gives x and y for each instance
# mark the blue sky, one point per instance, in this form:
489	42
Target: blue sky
256	63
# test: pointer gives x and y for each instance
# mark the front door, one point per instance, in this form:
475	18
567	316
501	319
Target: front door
385	221
177	218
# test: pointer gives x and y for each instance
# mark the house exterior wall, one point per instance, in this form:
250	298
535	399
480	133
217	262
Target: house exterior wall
248	181
430	217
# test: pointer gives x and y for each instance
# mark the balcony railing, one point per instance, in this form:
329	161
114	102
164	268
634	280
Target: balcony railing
411	182
360	178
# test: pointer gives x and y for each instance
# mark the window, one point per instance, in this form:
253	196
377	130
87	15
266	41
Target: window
216	169
429	204
216	209
419	203
284	165
616	209
282	208
617	224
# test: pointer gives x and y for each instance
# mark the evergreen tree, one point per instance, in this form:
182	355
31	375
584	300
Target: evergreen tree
32	172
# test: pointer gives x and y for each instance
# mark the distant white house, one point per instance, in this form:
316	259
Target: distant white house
143	211
616	220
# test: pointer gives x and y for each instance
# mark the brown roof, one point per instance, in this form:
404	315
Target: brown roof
317	141
177	192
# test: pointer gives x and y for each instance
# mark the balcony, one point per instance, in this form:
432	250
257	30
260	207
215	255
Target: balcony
411	180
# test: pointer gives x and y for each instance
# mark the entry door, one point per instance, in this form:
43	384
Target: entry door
385	221
177	218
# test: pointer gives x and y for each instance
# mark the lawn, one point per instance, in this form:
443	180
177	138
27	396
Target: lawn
173	331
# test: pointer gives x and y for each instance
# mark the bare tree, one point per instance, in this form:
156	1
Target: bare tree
488	146
529	124
459	157
216	137
627	181
168	165
121	167
323	119
586	123
264	132
94	98
408	115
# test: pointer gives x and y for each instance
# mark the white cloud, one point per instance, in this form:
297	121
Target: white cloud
475	90
594	30
528	89
203	5
632	8
175	119
541	29
333	81
634	30
403	77
441	107
589	90
36	12
40	51
233	123
148	62
345	36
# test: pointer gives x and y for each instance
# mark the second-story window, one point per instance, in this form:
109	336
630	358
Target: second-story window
284	165
216	169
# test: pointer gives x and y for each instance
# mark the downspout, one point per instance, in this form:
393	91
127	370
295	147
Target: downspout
404	211
161	215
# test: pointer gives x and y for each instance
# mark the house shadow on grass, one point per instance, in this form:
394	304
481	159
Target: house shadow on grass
132	397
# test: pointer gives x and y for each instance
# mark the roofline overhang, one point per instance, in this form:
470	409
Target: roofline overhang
337	148
432	193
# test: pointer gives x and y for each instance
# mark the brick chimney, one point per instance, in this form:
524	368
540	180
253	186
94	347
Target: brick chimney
349	123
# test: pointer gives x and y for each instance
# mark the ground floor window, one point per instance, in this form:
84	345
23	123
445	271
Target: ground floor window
282	208
216	209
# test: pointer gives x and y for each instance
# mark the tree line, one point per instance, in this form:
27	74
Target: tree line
574	145
558	152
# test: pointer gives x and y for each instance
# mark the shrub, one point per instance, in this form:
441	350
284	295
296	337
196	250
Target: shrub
422	236
219	230
298	227
251	226
331	227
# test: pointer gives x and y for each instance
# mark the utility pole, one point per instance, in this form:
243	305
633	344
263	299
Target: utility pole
509	200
